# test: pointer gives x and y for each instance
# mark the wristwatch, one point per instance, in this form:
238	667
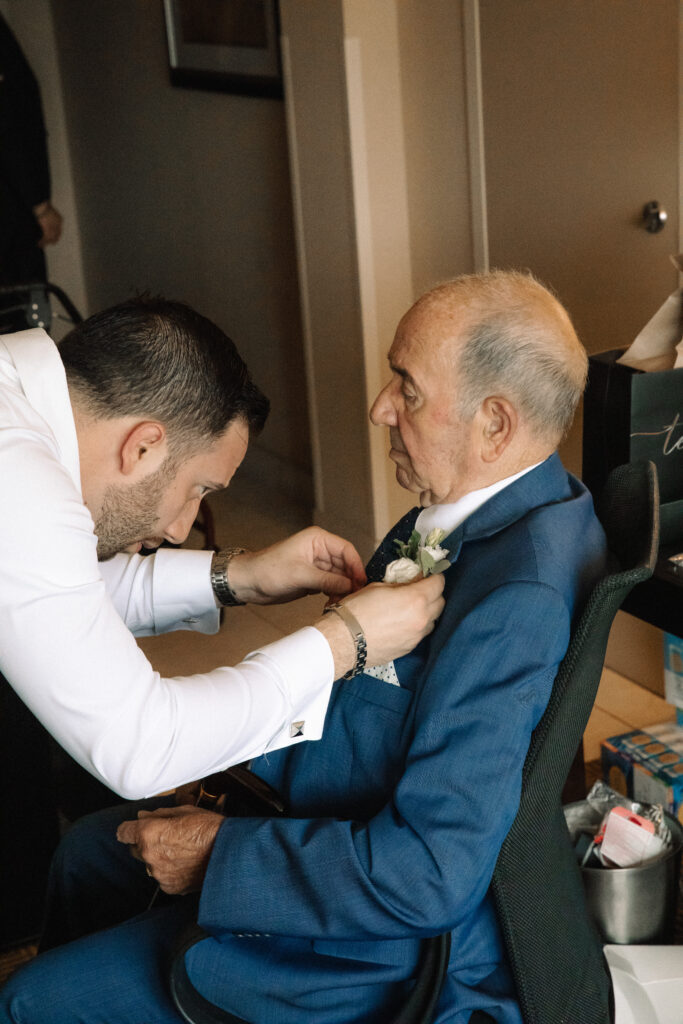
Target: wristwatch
219	576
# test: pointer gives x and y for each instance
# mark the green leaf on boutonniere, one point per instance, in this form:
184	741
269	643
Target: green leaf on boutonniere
426	561
429	566
441	566
409	548
415	551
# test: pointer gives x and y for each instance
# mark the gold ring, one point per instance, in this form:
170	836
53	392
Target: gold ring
149	870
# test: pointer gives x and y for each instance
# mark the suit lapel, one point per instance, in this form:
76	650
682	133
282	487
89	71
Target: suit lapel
386	552
546	484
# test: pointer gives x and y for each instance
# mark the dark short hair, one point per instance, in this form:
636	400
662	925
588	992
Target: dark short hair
160	359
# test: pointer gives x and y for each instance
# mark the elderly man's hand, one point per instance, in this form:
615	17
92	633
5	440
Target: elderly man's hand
175	843
311	562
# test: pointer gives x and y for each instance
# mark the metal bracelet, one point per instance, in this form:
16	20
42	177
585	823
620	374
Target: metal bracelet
219	576
357	635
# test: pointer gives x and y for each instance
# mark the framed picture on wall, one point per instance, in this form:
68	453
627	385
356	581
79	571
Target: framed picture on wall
230	45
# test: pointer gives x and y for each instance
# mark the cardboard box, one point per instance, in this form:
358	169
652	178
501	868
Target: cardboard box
647	765
673	670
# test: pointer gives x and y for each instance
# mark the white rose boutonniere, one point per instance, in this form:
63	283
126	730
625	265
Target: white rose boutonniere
418	559
402	570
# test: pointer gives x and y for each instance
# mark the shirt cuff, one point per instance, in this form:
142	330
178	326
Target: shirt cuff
183	595
304	662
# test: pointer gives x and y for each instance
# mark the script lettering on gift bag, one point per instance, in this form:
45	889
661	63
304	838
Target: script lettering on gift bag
670	445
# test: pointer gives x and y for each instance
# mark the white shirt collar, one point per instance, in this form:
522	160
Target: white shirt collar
449	516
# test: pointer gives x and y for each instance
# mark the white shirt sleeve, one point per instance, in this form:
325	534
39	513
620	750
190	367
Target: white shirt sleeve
168	590
65	649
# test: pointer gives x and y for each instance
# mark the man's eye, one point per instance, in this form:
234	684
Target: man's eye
409	396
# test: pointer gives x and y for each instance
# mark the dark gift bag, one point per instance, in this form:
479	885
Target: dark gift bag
630	415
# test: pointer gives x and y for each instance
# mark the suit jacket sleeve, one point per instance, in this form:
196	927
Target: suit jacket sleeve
424	862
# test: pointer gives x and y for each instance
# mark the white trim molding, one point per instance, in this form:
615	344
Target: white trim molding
475	135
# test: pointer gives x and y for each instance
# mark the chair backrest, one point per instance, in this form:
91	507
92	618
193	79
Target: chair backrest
554	950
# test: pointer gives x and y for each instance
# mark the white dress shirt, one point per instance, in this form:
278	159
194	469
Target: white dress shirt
449	516
66	620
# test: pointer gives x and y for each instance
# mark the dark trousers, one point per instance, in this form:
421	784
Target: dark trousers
28	818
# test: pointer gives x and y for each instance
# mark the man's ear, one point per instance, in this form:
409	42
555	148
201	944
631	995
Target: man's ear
499	425
143	448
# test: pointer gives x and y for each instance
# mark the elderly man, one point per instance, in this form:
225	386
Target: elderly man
396	819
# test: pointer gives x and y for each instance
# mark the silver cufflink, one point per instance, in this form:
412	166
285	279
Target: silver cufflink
296	729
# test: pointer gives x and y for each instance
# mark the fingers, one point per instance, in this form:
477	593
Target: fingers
127	832
338	556
311	561
175	811
432	589
130	832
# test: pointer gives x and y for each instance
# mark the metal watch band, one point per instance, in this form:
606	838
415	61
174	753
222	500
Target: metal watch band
357	635
219	576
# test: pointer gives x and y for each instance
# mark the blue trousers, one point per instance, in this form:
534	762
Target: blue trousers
119	975
105	958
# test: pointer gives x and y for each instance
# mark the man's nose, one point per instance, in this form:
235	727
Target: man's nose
178	531
383	412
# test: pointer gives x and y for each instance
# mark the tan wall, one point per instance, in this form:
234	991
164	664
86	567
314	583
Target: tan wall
378	152
187	193
318	121
581	117
404	71
435	127
364	209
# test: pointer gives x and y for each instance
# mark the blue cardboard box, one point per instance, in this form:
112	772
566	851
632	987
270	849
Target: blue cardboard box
647	765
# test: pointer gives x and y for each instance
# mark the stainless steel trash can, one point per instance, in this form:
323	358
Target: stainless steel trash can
631	905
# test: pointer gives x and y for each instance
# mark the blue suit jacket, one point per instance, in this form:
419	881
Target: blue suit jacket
398	813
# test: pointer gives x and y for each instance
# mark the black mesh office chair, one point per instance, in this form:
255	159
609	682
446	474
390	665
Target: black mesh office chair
554	950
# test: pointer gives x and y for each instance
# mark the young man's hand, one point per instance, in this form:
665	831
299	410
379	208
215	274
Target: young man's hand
310	562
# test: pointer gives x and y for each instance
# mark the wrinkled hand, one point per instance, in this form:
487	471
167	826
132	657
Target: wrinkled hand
50	223
175	843
310	562
393	617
